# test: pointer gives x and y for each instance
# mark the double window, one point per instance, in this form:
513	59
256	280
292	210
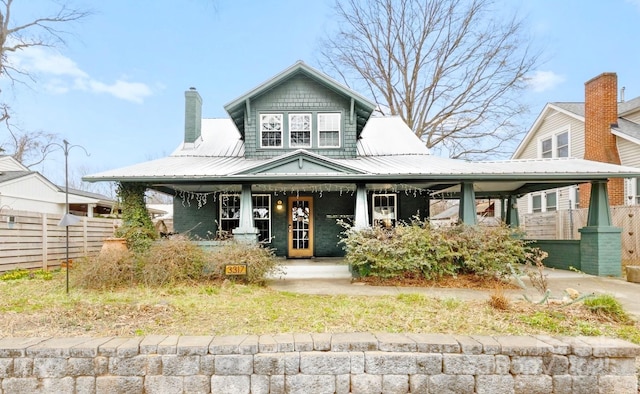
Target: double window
544	202
230	214
296	129
556	145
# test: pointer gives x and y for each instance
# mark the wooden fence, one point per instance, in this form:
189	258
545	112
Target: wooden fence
565	224
34	240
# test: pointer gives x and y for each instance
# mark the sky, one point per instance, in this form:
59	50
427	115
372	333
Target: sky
116	88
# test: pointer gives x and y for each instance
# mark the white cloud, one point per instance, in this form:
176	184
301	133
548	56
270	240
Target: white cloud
130	91
635	2
541	81
60	74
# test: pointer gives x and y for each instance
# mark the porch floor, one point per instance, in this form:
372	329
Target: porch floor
314	268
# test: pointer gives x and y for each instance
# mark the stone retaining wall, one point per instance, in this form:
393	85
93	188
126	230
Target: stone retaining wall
318	363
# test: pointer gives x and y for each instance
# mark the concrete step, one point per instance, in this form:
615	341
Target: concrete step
314	269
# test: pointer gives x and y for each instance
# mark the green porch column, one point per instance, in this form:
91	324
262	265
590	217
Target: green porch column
467	211
361	219
246	231
511	209
600	243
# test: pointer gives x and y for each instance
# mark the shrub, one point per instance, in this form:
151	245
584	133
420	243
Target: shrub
418	248
137	227
112	268
174	259
260	261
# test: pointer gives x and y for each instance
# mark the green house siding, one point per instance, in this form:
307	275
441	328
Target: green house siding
300	94
410	206
193	222
328	210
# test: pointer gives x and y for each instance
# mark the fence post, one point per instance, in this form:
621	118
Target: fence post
45	257
85	245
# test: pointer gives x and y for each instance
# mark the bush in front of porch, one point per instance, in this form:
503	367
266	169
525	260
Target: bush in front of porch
417	249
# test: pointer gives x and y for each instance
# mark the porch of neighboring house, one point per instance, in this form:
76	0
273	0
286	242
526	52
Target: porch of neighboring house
560	229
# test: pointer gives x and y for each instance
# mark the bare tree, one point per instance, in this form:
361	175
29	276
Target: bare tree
45	31
449	68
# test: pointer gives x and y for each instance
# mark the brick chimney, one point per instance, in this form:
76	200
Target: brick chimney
600	113
192	115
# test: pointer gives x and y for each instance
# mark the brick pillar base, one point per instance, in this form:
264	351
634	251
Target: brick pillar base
601	250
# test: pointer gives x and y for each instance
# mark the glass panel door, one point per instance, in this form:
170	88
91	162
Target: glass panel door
300	226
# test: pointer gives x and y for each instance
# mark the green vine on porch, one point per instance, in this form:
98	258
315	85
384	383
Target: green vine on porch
137	227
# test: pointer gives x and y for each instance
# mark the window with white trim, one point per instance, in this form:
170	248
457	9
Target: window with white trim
556	145
329	130
552	201
637	191
271	130
300	130
230	214
536	203
384	210
262	216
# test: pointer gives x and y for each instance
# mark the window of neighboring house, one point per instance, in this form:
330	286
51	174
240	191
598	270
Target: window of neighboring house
271	130
555	146
552	201
329	130
384	210
547	148
562	144
637	191
230	214
536	203
300	130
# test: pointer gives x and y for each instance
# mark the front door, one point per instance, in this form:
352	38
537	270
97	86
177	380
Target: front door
300	227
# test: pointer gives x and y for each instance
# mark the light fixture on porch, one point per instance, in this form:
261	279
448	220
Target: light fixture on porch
279	205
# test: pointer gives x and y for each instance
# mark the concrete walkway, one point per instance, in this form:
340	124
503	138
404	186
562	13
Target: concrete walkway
328	277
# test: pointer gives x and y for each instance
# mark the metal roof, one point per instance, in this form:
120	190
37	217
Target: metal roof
389	136
388	152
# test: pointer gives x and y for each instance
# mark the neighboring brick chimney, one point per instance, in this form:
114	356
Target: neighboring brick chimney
192	115
600	113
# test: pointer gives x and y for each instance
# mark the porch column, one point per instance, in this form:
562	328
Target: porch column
246	232
361	219
512	219
600	243
90	208
467	208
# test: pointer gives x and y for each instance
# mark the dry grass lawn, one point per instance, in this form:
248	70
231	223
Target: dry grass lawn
36	307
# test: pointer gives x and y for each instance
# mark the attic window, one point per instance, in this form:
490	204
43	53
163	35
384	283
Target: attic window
555	146
300	130
271	130
329	130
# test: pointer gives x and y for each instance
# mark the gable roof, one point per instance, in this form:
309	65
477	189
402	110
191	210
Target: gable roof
8	163
627	130
624	129
238	108
6	176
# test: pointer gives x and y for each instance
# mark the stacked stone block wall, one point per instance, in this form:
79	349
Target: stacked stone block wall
318	363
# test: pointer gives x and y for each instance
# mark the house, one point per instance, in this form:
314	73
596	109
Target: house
602	128
24	190
301	152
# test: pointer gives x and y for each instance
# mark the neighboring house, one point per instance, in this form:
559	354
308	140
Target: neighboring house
24	190
301	152
601	129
